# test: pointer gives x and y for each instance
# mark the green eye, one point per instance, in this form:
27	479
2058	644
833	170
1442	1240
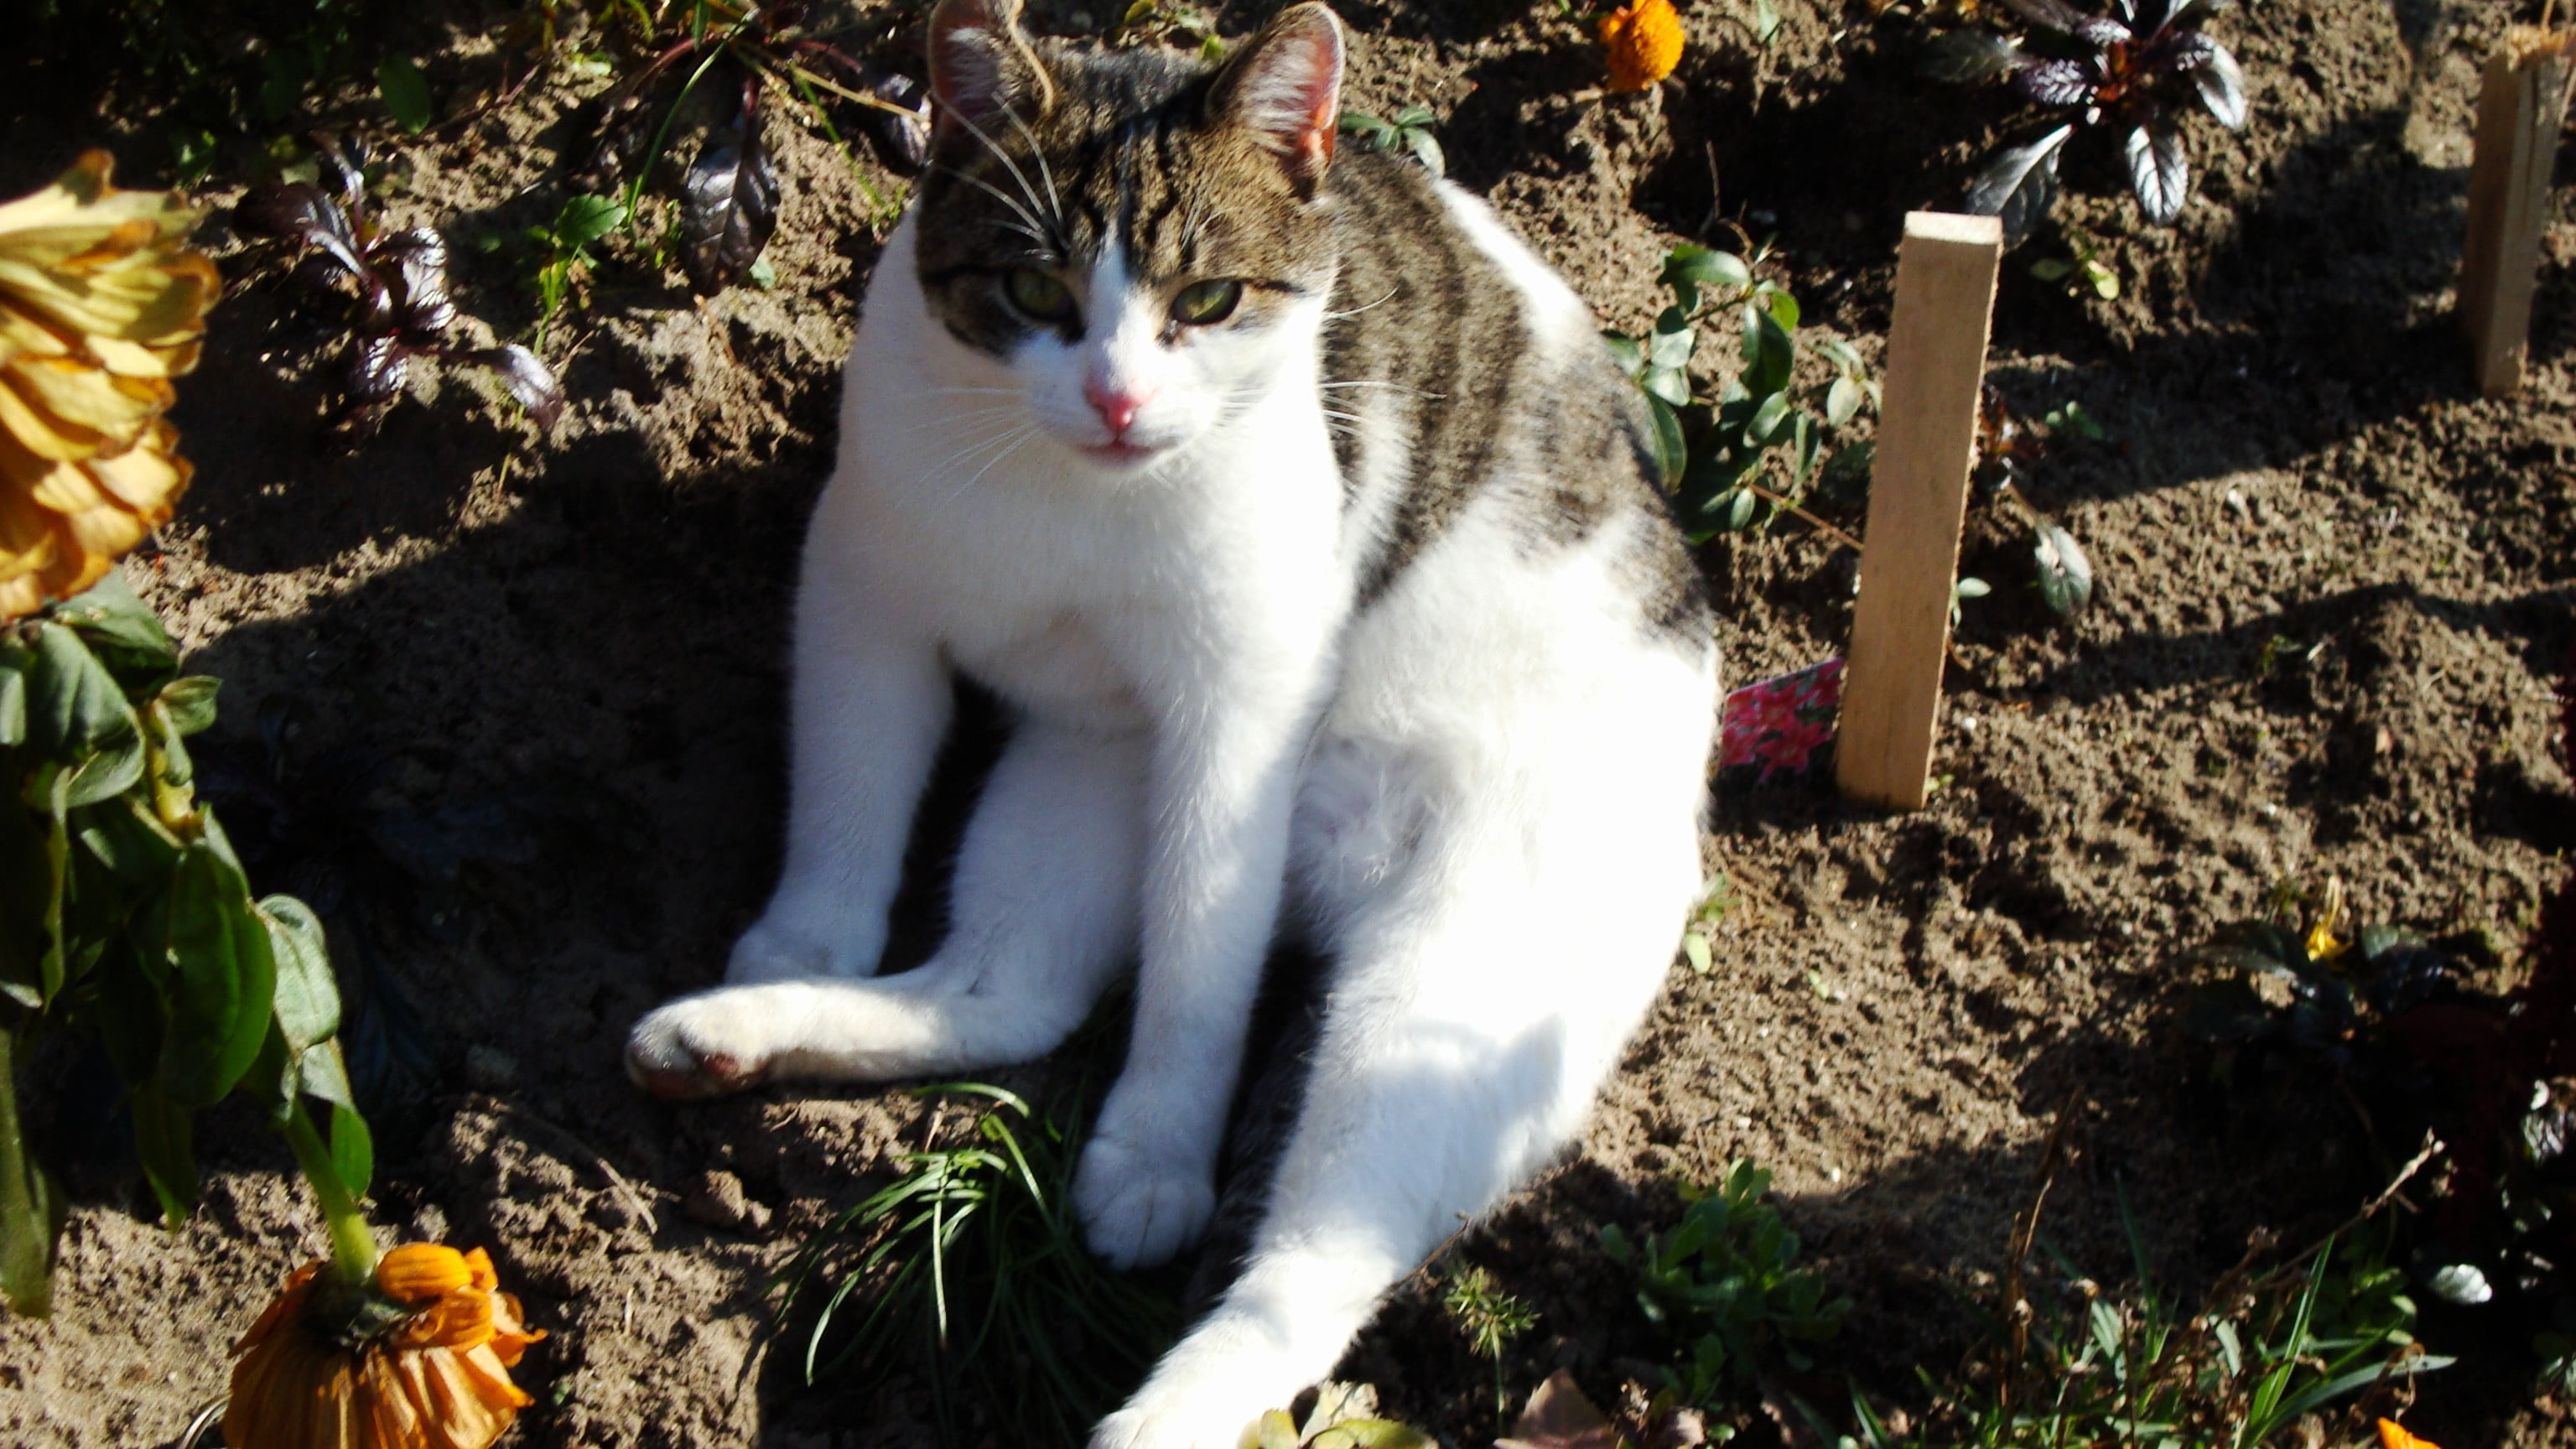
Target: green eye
1038	294
1201	303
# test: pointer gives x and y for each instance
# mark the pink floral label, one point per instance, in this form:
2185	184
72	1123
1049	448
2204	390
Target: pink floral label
1775	726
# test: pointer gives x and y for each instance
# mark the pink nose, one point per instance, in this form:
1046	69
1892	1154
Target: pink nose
1116	406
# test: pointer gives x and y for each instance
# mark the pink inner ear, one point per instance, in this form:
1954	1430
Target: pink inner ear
1291	89
969	42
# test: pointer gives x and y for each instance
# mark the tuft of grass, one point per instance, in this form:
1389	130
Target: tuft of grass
969	1270
1491	1319
2303	1352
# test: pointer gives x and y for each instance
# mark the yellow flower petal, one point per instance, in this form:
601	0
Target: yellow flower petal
2394	1436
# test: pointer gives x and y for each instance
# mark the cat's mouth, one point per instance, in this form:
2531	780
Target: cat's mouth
1121	454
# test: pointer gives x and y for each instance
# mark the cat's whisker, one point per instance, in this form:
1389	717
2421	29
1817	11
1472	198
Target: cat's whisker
1019	440
1355	311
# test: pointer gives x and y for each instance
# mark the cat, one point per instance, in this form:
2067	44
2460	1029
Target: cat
1312	538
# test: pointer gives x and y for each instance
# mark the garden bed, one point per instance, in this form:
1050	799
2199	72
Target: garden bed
2335	594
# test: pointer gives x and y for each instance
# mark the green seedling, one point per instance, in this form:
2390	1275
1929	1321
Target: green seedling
1408	132
1716	902
1758	426
1491	1319
1169	22
2084	270
564	261
1725	1287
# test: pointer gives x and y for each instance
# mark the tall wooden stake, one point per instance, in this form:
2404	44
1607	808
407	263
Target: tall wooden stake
2520	110
1918	497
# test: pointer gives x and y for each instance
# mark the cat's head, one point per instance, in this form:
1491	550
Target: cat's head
1138	242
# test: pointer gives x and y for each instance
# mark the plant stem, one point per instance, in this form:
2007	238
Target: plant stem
353	1247
26	1248
1790	505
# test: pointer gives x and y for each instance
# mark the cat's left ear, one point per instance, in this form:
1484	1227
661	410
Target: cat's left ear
1285	88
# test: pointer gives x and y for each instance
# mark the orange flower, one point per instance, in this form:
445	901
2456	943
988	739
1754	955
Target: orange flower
1645	41
2392	1436
101	304
422	1363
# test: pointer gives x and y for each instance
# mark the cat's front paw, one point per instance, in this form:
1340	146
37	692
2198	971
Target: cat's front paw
1139	1209
1142	1426
787	945
705	1045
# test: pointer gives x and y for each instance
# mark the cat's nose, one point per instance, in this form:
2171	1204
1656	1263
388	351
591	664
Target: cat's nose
1117	406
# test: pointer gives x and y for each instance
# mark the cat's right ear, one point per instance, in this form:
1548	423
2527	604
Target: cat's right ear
982	69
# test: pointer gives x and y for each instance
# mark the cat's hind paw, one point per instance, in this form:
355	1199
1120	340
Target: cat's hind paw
704	1045
1137	1211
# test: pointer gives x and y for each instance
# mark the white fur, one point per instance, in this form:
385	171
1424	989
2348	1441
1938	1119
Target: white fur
1484	792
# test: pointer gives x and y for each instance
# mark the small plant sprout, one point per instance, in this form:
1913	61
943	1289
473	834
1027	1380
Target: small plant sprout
1757	426
2006	451
1408	131
394	289
1169	22
749	51
1491	1319
2082	269
1968	587
1345	1416
1725	1285
564	260
2138	70
1716	902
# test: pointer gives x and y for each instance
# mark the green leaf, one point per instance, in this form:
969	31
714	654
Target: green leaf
307	998
14	663
190	703
1666	384
1843	400
1706	267
1671	452
123	835
326	1075
406	92
79	716
1695	946
1739	515
222	980
1768	353
2052	269
353	1149
1673	339
1783	308
1277	1431
1767	418
585	219
1627	351
125	635
1361	123
1415	116
1426	149
161	1144
2065	574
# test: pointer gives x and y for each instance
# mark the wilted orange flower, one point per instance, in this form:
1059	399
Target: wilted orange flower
2394	1436
1645	41
101	304
425	1367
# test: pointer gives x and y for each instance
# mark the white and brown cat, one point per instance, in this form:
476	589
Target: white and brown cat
1309	532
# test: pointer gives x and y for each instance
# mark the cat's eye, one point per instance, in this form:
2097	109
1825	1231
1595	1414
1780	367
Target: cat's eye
1038	294
1201	303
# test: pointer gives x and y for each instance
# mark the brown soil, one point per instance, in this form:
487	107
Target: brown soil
581	637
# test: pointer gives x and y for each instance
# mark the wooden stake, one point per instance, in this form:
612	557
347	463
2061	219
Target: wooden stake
2520	110
1918	497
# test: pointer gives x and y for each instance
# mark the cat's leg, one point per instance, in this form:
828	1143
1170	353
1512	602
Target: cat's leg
1501	918
1222	782
870	701
1045	912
